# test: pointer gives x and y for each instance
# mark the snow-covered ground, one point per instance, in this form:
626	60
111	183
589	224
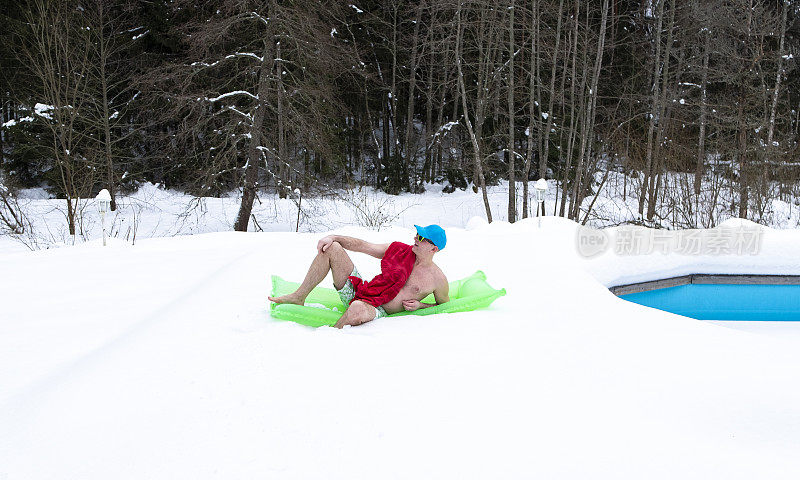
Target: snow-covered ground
155	212
159	360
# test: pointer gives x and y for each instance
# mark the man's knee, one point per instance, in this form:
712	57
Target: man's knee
357	313
333	249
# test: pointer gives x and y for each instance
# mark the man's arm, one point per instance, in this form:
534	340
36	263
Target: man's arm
377	250
441	294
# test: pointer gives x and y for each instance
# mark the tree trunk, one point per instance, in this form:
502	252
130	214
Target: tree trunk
409	147
654	107
549	126
580	117
397	172
103	58
512	186
531	109
662	120
701	142
586	141
284	185
584	104
3	118
437	155
744	175
778	76
474	139
572	116
387	153
428	167
256	136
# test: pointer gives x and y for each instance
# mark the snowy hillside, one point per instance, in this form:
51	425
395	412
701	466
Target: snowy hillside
159	360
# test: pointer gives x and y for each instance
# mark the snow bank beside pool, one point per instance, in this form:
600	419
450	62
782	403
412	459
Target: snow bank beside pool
778	254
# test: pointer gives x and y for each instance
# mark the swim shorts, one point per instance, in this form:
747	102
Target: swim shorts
347	293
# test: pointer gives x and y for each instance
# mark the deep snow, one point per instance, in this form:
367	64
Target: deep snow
155	212
159	360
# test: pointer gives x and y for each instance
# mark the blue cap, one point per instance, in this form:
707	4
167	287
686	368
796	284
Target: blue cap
434	233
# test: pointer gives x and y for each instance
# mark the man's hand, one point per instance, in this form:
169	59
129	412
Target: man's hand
411	305
324	243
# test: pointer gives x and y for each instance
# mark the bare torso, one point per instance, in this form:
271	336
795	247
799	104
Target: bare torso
421	283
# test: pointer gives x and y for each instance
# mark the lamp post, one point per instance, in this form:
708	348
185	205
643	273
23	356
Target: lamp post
541	188
103	205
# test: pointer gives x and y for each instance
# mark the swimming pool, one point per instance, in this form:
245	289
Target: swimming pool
725	301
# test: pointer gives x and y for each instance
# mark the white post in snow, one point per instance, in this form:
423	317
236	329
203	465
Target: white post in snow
541	188
103	205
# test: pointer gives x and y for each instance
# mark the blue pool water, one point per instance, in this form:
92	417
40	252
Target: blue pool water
725	302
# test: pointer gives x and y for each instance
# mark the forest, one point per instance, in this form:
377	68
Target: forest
696	103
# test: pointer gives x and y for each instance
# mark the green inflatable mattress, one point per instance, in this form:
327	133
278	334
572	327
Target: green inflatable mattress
323	306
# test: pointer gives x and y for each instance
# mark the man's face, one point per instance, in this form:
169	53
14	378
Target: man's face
422	245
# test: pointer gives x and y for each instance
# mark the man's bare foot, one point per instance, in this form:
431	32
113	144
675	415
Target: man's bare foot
291	298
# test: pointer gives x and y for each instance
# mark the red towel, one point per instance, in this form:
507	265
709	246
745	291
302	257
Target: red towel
396	266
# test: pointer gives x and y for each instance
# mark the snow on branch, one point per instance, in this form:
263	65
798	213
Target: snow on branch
516	153
245	115
443	130
245	54
266	150
259	17
227	57
204	64
230	94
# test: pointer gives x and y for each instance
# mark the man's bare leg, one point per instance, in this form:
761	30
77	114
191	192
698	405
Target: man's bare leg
334	260
357	313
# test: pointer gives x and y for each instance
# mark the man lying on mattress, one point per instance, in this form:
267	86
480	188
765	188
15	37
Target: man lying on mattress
408	275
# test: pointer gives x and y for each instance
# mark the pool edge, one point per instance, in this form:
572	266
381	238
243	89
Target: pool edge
707	279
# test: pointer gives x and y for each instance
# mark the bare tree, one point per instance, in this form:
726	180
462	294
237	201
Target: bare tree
587	132
110	83
409	147
258	83
779	73
654	175
55	47
544	154
485	61
12	219
701	142
512	186
655	104
572	107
